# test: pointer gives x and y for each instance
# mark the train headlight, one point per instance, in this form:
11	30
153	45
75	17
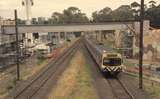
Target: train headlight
103	67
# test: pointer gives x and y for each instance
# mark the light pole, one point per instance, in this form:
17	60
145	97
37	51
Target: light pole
141	46
28	5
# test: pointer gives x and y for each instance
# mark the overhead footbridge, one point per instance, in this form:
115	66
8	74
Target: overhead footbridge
134	26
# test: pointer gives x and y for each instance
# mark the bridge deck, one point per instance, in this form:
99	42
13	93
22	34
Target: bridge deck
73	27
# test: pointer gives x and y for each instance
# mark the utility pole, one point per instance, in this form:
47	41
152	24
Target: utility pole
17	45
141	46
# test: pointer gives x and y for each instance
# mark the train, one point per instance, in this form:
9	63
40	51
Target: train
108	61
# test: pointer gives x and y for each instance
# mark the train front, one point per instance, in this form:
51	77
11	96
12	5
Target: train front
112	63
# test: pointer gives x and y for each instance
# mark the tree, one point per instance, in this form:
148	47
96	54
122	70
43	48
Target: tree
105	11
74	15
152	4
56	18
69	15
103	15
135	10
95	16
153	14
123	13
135	5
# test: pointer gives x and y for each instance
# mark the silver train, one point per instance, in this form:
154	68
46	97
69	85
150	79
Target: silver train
108	61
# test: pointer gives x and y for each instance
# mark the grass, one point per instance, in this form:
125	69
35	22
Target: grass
75	82
153	90
6	84
27	72
8	81
41	60
127	63
108	43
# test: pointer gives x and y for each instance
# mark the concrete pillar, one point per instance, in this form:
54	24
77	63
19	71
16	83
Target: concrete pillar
54	39
135	48
101	33
30	38
117	38
95	34
65	36
98	36
58	38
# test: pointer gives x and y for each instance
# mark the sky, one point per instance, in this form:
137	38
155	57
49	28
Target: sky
44	8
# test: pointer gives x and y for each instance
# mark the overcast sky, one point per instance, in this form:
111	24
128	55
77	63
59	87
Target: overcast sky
46	7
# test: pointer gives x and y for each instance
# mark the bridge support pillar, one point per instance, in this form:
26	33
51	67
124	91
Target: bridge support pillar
99	36
65	36
117	38
58	37
101	33
96	35
29	40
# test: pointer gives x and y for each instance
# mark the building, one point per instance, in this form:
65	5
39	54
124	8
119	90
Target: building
7	44
41	20
6	22
6	39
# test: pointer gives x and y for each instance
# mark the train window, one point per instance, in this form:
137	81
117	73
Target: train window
112	61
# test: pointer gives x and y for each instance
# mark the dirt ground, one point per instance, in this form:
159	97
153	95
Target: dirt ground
75	82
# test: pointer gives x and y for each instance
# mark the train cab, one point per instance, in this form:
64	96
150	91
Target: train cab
112	63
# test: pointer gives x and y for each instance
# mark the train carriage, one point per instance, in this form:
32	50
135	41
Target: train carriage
109	62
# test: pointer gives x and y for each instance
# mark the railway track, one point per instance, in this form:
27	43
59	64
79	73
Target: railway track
119	90
116	87
31	90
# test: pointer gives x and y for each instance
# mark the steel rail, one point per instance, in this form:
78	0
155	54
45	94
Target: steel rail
111	83
58	59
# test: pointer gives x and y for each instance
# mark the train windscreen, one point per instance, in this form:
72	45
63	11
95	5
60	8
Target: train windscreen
112	61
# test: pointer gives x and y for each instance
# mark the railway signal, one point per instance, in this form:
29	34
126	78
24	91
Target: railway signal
141	46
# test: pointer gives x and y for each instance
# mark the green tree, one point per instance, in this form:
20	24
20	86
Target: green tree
70	15
135	5
95	16
74	15
135	10
56	18
153	14
123	13
103	15
152	4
